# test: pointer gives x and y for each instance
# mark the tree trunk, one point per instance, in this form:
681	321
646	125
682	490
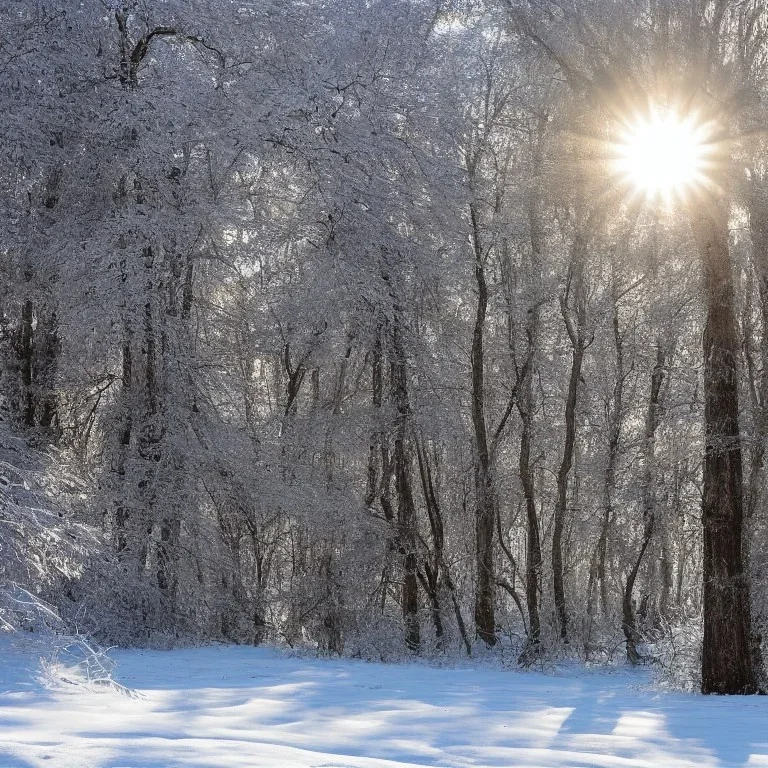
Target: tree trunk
533	558
575	321
614	418
167	554
25	351
485	618
758	229
727	649
525	405
652	418
406	509
125	427
47	354
562	494
375	441
433	561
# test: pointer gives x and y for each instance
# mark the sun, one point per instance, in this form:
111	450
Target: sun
664	155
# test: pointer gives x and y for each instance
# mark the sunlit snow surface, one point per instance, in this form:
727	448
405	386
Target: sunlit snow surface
246	707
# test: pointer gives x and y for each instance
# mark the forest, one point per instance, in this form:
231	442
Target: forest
389	328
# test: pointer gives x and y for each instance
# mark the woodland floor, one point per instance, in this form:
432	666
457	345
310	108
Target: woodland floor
240	707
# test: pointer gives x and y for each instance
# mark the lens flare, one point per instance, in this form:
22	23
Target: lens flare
664	155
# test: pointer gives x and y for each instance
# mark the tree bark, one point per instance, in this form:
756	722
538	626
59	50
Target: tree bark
375	441
433	561
652	417
485	618
526	405
533	558
25	351
758	229
406	509
615	422
47	351
614	417
727	649
575	322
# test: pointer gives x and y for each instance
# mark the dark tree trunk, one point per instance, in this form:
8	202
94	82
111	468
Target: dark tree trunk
485	618
406	509
167	553
533	558
575	322
433	561
558	527
36	347
46	364
332	640
380	469
526	404
666	577
438	569
615	418
758	228
35	340
149	437
125	428
652	417
727	648
25	351
374	445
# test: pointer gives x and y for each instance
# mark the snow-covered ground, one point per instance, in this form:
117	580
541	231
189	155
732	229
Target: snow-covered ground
243	707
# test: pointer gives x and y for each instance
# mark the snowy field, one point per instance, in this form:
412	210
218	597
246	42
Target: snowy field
246	707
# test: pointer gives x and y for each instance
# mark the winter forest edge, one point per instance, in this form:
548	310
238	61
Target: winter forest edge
332	325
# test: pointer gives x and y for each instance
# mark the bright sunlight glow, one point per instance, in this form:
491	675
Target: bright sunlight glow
663	155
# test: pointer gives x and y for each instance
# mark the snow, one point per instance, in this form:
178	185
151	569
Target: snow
241	707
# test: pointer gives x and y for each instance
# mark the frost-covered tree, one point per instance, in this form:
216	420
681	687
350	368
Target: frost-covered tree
358	340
